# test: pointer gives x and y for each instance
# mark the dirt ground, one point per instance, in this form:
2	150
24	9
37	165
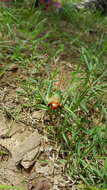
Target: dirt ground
28	158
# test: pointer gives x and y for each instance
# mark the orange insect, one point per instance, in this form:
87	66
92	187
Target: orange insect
55	101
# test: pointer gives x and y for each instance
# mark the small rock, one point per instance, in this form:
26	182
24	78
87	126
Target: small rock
27	150
41	184
38	114
46	170
24	146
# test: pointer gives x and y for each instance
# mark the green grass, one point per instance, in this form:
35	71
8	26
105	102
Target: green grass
10	187
80	127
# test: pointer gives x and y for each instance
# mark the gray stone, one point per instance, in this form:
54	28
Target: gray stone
26	152
24	146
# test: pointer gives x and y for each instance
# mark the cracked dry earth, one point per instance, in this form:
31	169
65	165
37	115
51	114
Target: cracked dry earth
28	159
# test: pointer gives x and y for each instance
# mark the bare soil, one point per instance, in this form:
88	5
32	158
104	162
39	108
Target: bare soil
28	158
